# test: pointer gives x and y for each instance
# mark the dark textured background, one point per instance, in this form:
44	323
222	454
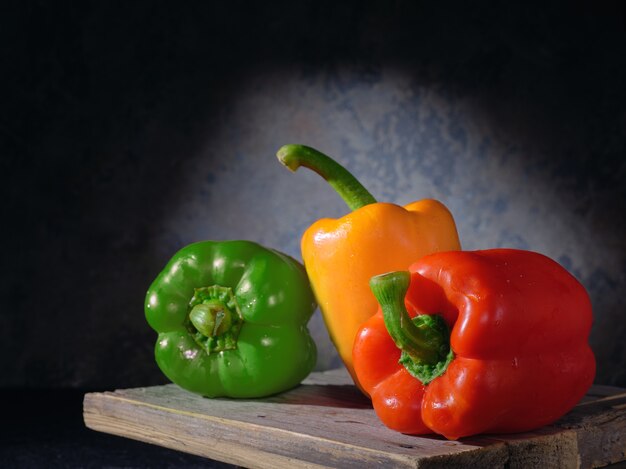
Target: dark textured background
131	129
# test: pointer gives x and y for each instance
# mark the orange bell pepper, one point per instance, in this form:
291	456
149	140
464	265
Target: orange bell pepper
341	255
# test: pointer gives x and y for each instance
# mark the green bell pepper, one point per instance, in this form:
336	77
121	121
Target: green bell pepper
232	320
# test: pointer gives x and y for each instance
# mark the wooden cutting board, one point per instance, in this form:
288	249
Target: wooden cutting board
326	422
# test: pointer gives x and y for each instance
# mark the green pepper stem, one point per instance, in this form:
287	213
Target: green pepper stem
346	185
214	318
211	318
418	342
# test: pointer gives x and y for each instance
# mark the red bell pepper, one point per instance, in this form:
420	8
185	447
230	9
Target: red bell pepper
472	342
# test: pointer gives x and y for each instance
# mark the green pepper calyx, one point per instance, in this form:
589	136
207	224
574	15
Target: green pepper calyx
214	319
424	340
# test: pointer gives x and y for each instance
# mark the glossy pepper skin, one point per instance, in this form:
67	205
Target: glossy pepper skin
341	255
232	320
518	333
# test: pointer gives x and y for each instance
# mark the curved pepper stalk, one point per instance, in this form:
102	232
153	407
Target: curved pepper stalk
424	340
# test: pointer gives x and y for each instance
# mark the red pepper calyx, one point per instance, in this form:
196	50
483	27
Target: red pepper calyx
423	340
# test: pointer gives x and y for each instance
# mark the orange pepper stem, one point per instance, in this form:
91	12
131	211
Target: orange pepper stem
346	185
424	340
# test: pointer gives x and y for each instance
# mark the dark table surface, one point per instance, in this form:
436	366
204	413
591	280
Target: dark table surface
45	428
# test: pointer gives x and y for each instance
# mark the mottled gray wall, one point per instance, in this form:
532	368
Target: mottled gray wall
133	132
504	176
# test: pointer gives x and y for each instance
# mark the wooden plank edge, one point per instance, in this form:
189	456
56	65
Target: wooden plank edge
601	429
111	414
568	444
102	413
108	413
552	450
228	452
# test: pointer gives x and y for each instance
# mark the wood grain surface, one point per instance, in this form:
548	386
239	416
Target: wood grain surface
327	422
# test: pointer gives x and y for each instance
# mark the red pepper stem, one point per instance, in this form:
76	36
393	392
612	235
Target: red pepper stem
418	342
346	185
